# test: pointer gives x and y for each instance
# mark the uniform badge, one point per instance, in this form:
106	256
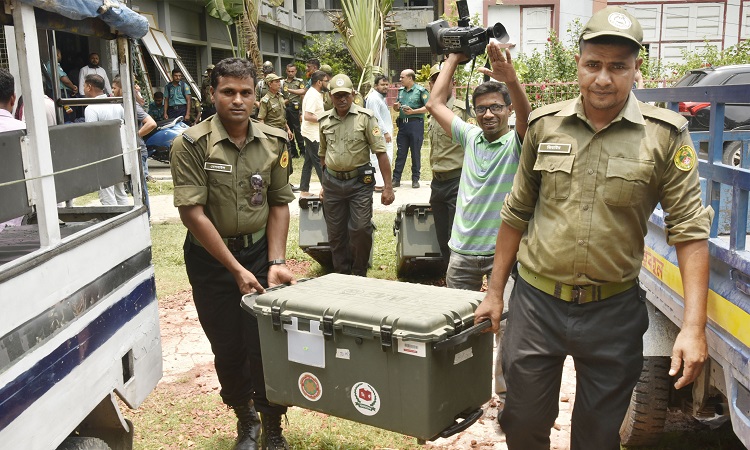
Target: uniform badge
376	131
284	159
424	96
472	121
685	158
286	88
367	179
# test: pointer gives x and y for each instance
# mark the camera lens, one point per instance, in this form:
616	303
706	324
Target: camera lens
498	32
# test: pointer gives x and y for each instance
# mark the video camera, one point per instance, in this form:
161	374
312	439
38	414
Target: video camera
464	38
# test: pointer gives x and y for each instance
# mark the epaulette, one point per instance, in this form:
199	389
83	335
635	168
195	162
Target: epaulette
194	133
265	99
664	115
267	129
546	110
325	114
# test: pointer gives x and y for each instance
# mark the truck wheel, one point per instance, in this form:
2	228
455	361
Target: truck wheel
732	155
83	443
644	421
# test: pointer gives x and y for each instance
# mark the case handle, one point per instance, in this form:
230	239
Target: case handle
457	427
464	336
248	301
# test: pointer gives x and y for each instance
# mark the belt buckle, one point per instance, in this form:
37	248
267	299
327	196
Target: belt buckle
236	244
576	294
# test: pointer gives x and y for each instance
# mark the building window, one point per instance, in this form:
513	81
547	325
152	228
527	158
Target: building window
219	54
189	56
408	58
333	4
4	63
311	4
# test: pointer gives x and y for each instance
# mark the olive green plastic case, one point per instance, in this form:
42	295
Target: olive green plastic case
417	248
398	356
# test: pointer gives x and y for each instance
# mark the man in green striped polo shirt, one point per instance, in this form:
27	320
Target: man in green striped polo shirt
491	157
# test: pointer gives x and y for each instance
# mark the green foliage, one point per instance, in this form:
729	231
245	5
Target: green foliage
423	74
555	64
710	55
329	49
225	10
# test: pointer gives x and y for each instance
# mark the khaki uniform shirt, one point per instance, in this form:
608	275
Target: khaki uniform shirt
297	83
583	198
272	111
346	144
206	93
208	169
445	155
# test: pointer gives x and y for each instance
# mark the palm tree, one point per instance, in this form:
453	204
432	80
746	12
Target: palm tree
366	27
243	14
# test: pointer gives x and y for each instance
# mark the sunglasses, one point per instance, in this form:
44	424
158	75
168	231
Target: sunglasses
495	108
256	181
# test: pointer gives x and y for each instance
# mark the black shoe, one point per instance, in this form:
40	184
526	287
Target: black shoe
248	427
271	439
396	183
415	184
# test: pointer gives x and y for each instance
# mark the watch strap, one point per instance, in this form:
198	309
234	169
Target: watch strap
275	262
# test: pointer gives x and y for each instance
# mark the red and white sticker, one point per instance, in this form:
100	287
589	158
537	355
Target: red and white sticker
310	387
412	348
365	398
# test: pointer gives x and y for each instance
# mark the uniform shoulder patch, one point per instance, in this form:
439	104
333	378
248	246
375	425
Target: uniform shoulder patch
376	131
196	132
284	160
685	158
265	99
664	115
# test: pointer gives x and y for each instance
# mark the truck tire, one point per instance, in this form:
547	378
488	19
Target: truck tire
83	443
732	153
644	421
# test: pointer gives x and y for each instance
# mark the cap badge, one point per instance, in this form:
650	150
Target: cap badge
340	82
620	21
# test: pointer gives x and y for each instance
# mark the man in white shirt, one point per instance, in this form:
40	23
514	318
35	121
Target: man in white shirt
312	108
376	102
93	87
94	68
7	100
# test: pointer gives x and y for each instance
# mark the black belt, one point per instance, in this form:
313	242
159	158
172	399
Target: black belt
445	176
346	175
412	119
236	243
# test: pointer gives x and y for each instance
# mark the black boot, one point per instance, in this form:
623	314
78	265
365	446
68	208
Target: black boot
248	427
271	438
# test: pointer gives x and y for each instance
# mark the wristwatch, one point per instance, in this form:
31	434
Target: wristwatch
274	262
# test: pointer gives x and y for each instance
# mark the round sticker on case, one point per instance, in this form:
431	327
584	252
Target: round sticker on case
619	20
685	158
310	387
365	398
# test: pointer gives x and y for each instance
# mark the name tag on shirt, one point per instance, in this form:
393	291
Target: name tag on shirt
218	167
551	147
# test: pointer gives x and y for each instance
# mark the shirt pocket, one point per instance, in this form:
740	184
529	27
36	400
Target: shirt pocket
255	197
627	181
221	188
556	174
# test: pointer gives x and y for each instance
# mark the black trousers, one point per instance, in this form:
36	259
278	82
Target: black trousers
312	160
604	338
410	136
292	119
348	212
443	195
232	332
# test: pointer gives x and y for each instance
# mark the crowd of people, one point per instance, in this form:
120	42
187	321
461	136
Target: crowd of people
558	203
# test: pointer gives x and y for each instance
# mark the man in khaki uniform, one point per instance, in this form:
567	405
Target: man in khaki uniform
272	111
232	191
591	171
348	133
446	159
293	88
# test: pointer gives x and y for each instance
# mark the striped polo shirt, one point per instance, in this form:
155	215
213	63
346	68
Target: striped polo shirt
487	177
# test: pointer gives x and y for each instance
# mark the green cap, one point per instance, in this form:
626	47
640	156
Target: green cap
327	69
340	83
613	21
272	77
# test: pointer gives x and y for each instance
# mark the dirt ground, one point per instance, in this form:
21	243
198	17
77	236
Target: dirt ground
188	369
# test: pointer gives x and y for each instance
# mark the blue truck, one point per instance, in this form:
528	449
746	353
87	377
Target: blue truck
723	387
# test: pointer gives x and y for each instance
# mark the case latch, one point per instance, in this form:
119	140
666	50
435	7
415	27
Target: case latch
276	317
386	337
328	325
458	325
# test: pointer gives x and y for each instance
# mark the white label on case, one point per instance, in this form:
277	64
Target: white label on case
343	353
462	356
412	348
